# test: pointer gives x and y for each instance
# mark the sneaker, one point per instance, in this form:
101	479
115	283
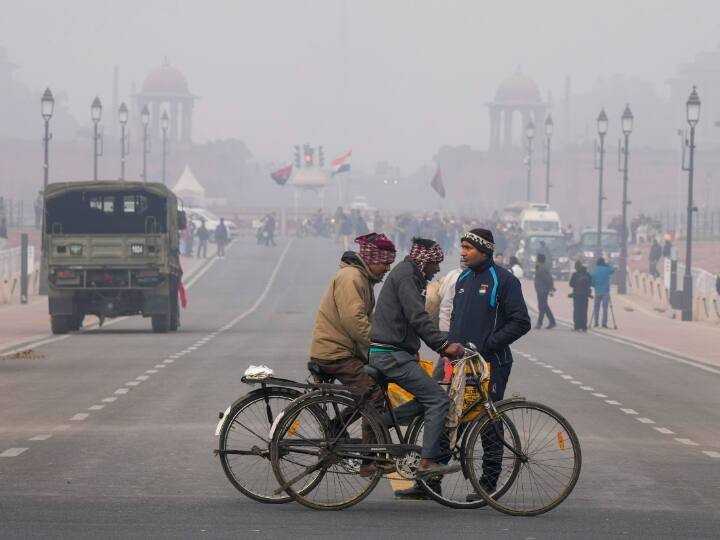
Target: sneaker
486	485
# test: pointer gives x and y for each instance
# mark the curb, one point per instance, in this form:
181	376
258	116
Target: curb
701	363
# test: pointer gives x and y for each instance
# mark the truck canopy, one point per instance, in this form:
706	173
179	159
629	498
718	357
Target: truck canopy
109	207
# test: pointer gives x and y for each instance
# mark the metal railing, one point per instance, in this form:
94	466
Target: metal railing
11	262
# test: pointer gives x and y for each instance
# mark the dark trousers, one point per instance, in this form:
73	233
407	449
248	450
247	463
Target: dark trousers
202	248
580	311
490	437
544	309
221	248
349	371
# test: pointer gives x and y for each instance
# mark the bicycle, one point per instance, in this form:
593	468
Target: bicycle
520	457
243	446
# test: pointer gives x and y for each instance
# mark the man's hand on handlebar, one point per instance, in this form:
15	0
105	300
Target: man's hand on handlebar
454	350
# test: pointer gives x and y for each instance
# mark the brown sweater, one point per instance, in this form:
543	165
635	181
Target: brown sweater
342	326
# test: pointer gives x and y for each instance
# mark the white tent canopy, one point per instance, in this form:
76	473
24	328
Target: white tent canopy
189	189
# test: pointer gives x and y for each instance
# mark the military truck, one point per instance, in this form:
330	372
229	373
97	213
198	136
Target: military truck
112	250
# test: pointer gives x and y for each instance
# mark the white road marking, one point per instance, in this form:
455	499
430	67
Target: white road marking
61	427
80	417
122	390
96	407
629	411
598	394
664	430
558	371
44	437
132	383
612	402
711	453
575	382
159	366
175	355
151	371
142	377
13	452
566	377
645	420
168	361
532	359
109	399
588	388
686	441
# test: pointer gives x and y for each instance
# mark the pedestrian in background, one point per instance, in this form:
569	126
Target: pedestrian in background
515	267
654	257
221	238
601	283
544	287
581	285
203	236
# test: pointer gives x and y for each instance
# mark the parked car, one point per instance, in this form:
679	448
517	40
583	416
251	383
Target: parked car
197	215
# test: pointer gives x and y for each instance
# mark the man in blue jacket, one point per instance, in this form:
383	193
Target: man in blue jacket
489	310
601	282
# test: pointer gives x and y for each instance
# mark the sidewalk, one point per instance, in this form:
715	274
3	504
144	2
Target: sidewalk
641	323
20	324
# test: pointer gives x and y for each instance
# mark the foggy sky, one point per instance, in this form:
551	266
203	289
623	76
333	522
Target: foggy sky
404	78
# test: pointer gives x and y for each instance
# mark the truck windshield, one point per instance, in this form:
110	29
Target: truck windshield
556	244
87	212
610	240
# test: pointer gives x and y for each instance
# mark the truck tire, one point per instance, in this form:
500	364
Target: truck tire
77	321
61	324
161	323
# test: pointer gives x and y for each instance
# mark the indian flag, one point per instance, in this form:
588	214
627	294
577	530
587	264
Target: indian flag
341	164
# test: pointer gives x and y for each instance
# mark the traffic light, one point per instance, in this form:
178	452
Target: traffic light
297	156
308	155
321	157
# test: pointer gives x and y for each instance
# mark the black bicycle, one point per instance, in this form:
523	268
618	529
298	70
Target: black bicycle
520	457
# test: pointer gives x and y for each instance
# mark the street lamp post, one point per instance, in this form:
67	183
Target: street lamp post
693	116
145	119
47	104
627	127
529	133
96	114
123	118
548	136
602	127
164	123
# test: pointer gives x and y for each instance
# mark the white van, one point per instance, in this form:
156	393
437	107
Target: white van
540	218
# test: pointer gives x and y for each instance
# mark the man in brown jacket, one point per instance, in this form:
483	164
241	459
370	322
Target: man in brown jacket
341	336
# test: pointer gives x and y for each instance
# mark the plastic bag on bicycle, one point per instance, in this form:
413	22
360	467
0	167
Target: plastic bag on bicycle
398	396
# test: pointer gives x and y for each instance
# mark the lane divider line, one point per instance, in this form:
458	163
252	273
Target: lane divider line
43	437
13	452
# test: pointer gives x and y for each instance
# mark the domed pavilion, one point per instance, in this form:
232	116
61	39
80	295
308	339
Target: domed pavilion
166	89
516	94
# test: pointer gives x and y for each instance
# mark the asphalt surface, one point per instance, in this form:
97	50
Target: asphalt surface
141	466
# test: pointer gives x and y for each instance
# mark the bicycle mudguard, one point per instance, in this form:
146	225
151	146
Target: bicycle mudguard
223	415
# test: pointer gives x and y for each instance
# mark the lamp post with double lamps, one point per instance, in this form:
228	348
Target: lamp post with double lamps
164	124
602	127
47	105
145	119
693	117
549	126
626	121
124	151
529	133
96	115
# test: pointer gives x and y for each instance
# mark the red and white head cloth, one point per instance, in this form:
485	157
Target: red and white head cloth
376	248
425	251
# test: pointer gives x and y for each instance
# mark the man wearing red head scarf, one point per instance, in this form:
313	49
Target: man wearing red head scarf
341	336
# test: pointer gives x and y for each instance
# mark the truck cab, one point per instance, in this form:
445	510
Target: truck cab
112	249
556	250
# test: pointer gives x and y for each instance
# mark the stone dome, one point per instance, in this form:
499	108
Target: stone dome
166	80
518	88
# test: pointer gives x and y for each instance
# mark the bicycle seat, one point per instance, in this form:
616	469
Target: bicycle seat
318	374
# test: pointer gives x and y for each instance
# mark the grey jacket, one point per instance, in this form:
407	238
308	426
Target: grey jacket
400	319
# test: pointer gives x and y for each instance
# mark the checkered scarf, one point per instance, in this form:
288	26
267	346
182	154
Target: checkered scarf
423	255
376	249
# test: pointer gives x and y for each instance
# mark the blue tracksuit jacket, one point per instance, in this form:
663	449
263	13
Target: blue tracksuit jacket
489	310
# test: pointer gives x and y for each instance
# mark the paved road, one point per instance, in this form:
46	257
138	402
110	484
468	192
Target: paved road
107	458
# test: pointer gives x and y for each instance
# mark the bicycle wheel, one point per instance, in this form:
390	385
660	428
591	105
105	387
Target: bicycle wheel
319	435
456	490
540	471
244	443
